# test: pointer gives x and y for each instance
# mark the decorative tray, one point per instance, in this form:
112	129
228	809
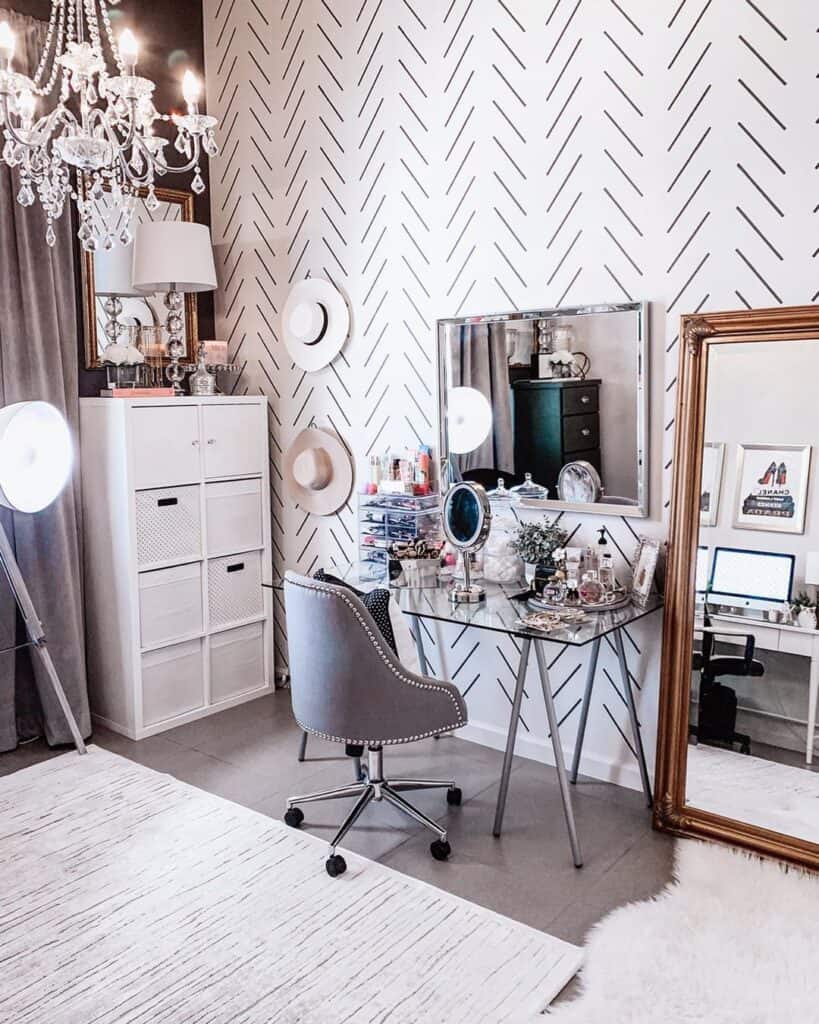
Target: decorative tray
539	604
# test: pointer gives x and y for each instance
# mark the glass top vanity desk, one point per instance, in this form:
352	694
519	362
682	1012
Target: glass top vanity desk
499	611
562	395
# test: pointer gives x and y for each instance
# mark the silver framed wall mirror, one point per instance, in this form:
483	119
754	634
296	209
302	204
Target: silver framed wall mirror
550	397
467	517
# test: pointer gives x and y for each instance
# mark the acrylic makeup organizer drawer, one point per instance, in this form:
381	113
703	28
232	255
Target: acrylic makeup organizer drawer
236	661
170	604
233	514
168	526
235	588
172	681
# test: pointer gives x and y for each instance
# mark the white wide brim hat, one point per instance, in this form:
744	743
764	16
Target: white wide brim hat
318	473
315	323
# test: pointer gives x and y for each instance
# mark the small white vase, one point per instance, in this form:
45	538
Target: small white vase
806	619
529	570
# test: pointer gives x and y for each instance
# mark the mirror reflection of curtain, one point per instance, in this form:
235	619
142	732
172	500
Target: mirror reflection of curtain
480	360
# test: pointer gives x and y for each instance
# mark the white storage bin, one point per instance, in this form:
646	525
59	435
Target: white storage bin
168	525
173	682
236	661
235	588
170	604
233	516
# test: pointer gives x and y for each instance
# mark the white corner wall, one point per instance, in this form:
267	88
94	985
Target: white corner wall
475	155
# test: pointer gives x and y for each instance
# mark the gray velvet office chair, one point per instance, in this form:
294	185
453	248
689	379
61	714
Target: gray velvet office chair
348	686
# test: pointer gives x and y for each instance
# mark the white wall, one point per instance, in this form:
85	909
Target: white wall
436	159
763	393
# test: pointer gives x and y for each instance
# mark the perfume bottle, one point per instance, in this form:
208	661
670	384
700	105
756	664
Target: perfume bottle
591	590
606	572
572	596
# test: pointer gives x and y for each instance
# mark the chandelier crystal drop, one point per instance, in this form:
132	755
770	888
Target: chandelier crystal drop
97	139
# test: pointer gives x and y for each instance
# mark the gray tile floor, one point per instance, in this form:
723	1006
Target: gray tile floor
248	754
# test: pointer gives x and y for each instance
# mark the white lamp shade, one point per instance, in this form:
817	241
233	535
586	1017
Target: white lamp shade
112	271
469	419
812	568
173	255
36	455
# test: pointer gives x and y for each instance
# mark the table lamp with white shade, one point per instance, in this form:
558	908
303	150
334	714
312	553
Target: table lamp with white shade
174	257
36	456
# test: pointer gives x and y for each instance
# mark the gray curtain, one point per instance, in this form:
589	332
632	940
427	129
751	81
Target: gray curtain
38	360
480	360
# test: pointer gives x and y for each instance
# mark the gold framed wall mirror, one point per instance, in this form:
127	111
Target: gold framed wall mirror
140	310
740	674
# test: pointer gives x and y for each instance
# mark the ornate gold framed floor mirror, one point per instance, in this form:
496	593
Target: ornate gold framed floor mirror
740	675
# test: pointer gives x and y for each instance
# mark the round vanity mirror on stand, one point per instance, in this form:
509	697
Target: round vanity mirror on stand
466	518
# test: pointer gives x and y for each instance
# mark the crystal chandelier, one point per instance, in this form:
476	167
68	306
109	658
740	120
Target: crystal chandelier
101	126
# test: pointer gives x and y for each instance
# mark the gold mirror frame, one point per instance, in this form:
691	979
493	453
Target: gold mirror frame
92	360
671	812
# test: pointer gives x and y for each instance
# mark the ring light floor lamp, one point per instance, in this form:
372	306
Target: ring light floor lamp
35	464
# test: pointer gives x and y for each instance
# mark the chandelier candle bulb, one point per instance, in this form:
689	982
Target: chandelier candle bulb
26	104
190	91
128	51
6	43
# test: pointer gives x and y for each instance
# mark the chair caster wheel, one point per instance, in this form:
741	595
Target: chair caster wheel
440	849
336	865
293	817
454	796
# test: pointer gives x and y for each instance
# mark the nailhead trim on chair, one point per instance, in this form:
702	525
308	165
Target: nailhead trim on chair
408	680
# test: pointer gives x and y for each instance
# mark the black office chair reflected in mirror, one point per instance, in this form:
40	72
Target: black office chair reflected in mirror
717	710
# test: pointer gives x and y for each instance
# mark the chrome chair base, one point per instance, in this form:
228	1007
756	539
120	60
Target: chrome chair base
375	787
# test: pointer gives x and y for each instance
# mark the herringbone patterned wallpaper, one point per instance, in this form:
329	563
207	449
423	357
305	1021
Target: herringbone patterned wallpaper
435	158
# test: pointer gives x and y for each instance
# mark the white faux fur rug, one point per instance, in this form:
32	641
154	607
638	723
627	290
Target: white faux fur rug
733	940
127	896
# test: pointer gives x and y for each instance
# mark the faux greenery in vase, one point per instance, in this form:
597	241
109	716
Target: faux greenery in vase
536	542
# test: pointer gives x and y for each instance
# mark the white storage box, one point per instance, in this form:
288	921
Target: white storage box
235	588
168	525
236	661
234	516
170	604
173	682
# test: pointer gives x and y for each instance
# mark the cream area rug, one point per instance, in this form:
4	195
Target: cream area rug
732	940
128	896
781	797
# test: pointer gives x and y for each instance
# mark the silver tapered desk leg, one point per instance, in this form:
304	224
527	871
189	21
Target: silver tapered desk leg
415	625
584	710
36	634
560	764
511	736
632	713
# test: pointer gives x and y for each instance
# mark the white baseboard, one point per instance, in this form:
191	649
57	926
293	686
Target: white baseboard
536	749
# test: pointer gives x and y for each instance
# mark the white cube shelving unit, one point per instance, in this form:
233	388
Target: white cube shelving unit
176	507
